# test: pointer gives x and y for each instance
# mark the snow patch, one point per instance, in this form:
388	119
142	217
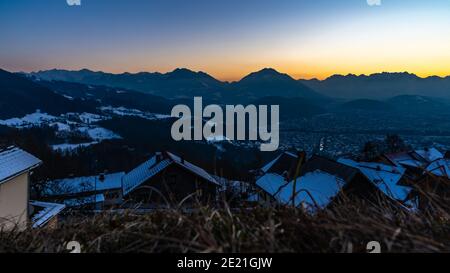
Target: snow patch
35	119
66	147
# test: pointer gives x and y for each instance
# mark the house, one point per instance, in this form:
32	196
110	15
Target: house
320	182
16	210
312	184
435	182
93	192
386	179
414	162
167	179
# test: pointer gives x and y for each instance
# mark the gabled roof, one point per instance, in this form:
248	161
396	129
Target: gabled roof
142	173
430	155
319	181
440	167
15	161
416	158
193	168
285	162
409	159
151	167
312	188
383	176
343	171
44	212
76	185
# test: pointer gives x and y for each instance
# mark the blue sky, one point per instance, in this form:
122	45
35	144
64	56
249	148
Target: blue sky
227	39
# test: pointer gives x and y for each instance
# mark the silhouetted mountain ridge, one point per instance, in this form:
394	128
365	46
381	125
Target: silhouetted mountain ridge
403	105
180	83
184	83
381	86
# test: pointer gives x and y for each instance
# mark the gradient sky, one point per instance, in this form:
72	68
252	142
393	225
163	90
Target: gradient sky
228	39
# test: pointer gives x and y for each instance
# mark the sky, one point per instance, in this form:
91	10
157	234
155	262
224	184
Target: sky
228	39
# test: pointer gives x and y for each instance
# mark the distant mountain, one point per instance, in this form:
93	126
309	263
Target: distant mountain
20	96
269	82
414	104
184	83
410	105
380	86
292	108
366	105
180	83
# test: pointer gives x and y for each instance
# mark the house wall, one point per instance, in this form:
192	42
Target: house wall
174	183
14	202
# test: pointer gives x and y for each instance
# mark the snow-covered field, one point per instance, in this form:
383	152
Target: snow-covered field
98	133
34	119
70	147
76	123
122	111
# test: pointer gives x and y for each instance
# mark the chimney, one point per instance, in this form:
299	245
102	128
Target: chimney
101	178
182	159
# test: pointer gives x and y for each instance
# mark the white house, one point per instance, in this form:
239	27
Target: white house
15	168
16	210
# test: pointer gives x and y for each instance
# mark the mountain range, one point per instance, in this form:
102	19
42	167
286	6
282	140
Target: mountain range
380	86
184	83
61	91
400	105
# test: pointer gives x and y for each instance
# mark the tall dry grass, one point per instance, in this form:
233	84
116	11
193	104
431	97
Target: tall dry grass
345	228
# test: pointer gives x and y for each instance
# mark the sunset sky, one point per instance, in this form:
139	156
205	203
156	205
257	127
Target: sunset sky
228	39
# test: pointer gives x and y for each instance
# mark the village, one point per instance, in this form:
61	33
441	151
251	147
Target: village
166	180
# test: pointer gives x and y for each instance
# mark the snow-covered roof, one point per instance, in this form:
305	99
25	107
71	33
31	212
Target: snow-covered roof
193	168
142	173
97	183
44	212
405	159
319	181
313	188
383	176
440	167
430	155
15	161
285	159
417	158
270	164
148	169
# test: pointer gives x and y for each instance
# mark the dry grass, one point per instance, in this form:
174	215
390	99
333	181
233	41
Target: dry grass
344	229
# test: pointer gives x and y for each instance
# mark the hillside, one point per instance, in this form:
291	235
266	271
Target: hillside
20	96
109	96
